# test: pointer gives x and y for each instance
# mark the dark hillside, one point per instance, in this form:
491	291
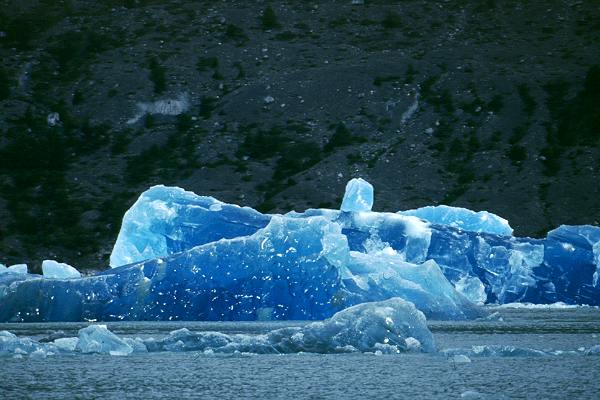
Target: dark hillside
490	105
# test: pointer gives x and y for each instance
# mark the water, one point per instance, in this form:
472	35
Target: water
314	376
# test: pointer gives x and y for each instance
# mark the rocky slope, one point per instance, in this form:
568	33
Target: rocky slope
489	105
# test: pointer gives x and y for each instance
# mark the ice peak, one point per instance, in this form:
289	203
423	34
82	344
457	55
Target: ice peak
358	196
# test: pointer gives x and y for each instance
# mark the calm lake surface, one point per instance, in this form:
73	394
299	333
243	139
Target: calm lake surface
191	375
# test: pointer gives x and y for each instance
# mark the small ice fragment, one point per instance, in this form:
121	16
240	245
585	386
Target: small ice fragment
460	359
66	344
471	395
38	353
413	345
98	339
593	351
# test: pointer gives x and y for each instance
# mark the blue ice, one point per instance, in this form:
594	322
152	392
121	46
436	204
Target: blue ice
181	256
168	220
358	196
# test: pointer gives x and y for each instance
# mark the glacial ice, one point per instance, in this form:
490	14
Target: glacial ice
166	220
358	196
98	339
180	256
16	269
56	270
462	218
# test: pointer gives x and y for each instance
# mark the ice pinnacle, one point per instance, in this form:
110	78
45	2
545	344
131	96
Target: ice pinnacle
358	196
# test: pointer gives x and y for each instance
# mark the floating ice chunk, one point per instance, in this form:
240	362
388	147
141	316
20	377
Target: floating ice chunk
472	288
496	351
137	344
11	344
2	268
463	218
472	395
413	345
358	196
460	359
365	327
18	269
8	342
39	353
98	339
390	326
66	344
56	270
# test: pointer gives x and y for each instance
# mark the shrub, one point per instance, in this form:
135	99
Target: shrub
517	153
529	104
158	76
236	34
269	18
206	63
4	84
342	137
391	20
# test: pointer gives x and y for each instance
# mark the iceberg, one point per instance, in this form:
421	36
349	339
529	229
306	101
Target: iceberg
98	339
294	268
180	256
56	270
